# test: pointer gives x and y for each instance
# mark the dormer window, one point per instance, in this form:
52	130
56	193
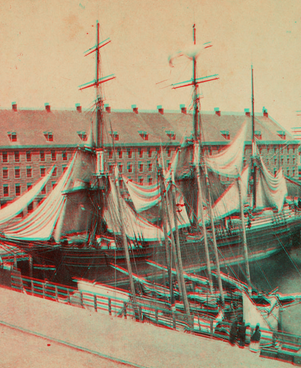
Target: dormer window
143	135
225	134
48	136
171	135
281	134
12	136
82	135
114	135
258	134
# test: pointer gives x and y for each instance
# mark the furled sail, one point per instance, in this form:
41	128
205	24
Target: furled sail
39	225
271	190
229	162
228	202
18	205
136	227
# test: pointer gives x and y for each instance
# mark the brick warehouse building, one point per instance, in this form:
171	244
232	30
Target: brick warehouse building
33	140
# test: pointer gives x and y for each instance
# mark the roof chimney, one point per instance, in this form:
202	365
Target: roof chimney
217	111
78	107
247	112
47	107
160	109
14	106
108	108
265	112
135	109
183	109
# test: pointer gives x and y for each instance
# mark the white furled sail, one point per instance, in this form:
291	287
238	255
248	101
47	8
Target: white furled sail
229	162
271	190
136	227
228	202
39	225
17	206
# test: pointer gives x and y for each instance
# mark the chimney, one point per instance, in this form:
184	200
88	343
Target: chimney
135	109
14	106
160	109
108	108
217	111
47	107
183	109
78	107
265	112
247	112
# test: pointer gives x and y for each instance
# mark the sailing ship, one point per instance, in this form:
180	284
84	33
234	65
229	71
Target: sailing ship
85	223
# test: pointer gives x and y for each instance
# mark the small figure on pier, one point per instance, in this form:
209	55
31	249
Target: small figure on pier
255	339
233	333
242	334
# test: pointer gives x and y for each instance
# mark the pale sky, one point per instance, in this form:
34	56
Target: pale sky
43	43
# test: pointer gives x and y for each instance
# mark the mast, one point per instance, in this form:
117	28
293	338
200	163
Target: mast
246	254
168	249
178	249
253	144
197	139
125	246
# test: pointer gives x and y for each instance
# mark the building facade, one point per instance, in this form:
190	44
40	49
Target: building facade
32	141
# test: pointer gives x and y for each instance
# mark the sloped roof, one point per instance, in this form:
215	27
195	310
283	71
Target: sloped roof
64	125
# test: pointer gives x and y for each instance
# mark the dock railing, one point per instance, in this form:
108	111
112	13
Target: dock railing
277	345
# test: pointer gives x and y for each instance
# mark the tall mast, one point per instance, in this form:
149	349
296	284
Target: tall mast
253	144
197	139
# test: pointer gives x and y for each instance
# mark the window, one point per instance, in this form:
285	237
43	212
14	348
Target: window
30	207
110	154
120	168
281	160
5	173
64	167
171	135
140	152
53	155
130	153
29	172
43	191
115	136
288	172
17	172
130	168
82	135
288	159
149	152
293	172
275	161
54	172
18	190
258	134
294	160
140	165
119	153
150	166
64	155
29	186
150	180
12	136
140	180
48	136
143	135
5	190
4	157
17	156
42	156
110	169
28	156
225	134
42	171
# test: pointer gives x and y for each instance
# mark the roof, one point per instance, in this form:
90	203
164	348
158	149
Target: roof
32	126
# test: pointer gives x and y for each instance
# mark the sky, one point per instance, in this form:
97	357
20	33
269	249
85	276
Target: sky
43	44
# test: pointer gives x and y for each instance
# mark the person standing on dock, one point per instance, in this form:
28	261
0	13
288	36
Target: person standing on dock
233	333
242	334
255	339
